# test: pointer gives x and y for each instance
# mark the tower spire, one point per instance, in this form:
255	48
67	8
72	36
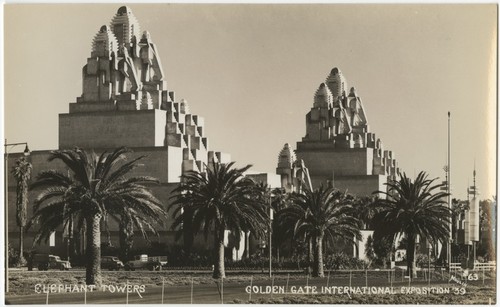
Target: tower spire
474	173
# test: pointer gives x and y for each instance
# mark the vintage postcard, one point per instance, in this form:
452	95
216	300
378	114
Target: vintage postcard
250	153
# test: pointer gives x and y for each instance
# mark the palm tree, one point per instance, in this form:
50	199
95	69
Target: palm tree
370	250
365	208
280	200
264	197
288	219
97	188
22	173
323	213
383	246
413	208
220	199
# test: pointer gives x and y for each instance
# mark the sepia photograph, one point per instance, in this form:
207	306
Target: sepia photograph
230	153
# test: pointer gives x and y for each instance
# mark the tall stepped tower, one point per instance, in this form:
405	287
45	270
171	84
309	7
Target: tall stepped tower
125	101
338	147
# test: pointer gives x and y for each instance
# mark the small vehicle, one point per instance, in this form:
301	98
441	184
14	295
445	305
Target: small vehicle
143	261
111	263
45	261
162	260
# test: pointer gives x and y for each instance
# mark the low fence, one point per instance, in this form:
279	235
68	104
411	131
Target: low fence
478	266
197	290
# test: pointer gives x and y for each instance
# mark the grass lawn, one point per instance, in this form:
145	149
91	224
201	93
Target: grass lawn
23	283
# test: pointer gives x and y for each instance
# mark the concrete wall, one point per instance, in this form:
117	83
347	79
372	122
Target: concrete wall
273	180
136	128
361	185
323	160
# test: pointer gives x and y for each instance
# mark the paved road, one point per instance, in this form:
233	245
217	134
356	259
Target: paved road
202	294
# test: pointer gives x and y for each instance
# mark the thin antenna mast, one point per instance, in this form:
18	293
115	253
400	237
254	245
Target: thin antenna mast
449	189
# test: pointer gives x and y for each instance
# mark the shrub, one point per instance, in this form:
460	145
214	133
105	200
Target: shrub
422	260
260	263
13	257
340	261
178	257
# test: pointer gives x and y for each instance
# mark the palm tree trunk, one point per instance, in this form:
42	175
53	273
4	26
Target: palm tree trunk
309	249
309	254
410	256
188	237
318	258
219	271
129	245
122	236
78	237
126	237
22	261
187	229
93	272
246	254
444	254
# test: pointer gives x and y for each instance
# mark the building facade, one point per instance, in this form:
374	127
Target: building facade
126	101
338	148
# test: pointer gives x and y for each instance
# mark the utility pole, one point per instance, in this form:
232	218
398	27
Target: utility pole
449	191
477	213
270	235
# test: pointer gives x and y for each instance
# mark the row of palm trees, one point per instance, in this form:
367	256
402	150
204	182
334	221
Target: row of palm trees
223	199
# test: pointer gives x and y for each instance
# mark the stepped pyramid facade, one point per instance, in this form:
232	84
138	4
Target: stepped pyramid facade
125	101
338	148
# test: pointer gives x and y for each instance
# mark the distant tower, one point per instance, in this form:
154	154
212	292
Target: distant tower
285	161
294	173
337	116
338	141
472	216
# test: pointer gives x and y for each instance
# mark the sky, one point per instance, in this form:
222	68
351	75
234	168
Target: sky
252	70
